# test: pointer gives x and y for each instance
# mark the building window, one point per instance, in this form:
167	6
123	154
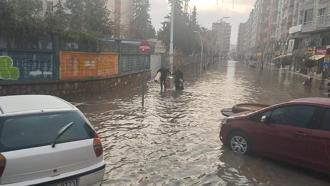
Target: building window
308	16
301	15
322	12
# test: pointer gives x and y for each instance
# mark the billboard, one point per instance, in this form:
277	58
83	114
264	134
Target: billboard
87	65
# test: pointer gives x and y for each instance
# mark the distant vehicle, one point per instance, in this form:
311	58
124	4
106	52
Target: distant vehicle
45	140
297	132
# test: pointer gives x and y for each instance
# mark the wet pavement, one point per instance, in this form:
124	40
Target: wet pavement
174	139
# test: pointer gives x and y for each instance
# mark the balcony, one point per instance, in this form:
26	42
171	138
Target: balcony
322	22
295	29
308	27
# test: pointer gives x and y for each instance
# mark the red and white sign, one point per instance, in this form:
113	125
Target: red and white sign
144	47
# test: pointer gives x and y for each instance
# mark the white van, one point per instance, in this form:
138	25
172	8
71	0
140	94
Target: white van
45	140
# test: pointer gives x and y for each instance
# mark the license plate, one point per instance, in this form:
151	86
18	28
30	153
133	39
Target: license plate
69	183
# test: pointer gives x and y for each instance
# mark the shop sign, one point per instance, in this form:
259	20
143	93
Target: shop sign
310	51
320	51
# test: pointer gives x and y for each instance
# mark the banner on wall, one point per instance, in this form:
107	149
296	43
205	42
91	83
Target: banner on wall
86	65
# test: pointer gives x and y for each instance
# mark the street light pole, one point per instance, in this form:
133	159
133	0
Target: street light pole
202	51
171	40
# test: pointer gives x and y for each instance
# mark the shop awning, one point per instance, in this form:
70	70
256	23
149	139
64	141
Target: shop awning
282	57
316	57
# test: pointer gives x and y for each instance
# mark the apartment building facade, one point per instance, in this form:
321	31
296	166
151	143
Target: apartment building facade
222	32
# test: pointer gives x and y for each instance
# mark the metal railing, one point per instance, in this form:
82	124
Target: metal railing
308	26
322	22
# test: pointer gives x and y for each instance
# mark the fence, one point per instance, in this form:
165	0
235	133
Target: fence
32	65
87	65
133	63
108	59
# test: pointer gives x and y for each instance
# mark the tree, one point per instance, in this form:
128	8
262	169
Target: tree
76	17
140	25
26	22
7	19
193	19
184	36
60	18
97	18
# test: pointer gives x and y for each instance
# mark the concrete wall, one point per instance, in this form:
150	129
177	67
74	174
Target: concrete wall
72	88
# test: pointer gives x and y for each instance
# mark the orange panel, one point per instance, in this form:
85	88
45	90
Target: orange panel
87	65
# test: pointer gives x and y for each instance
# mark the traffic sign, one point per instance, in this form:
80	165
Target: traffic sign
144	47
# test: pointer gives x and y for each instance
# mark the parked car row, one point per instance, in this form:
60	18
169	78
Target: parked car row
45	140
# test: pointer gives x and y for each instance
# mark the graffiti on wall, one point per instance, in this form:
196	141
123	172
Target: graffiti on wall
84	65
34	66
7	70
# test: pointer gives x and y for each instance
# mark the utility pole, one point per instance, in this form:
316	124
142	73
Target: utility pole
172	38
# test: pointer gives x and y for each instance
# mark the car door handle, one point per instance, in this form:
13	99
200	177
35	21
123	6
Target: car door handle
301	133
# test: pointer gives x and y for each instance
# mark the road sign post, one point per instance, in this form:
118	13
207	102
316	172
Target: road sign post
144	49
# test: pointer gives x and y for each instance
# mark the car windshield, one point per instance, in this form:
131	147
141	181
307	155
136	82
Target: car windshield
20	132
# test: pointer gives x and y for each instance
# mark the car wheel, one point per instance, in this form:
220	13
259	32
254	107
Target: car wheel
239	143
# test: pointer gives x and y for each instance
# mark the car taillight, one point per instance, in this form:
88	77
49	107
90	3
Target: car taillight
98	149
2	164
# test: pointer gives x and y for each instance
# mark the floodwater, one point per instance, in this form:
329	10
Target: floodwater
174	139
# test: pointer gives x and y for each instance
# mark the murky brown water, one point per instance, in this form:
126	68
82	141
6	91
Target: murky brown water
174	140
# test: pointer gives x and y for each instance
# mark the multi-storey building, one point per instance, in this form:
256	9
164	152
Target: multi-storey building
311	17
284	20
120	15
222	31
310	29
242	39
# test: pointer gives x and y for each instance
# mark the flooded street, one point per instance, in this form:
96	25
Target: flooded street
174	139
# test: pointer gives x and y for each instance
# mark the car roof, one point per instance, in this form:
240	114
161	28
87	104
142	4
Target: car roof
315	100
23	104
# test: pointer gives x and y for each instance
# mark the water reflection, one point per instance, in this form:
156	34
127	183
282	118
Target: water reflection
174	139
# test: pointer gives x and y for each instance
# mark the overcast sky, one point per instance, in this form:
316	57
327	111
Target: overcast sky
209	11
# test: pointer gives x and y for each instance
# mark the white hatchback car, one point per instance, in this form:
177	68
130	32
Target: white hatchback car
45	140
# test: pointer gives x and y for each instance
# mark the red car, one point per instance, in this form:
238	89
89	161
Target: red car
297	132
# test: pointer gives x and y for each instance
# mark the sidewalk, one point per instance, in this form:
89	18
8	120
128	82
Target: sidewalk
314	75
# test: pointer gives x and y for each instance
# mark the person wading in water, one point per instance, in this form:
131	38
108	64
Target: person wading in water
178	74
164	72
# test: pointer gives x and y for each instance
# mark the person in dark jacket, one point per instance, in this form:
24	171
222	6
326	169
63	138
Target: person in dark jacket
164	72
179	80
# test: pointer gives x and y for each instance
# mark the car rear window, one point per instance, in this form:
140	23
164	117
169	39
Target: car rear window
27	131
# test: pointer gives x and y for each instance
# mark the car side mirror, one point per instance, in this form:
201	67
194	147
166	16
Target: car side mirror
264	119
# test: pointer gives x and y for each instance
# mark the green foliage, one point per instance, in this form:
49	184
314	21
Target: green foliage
24	22
21	20
7	71
185	39
140	26
97	18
